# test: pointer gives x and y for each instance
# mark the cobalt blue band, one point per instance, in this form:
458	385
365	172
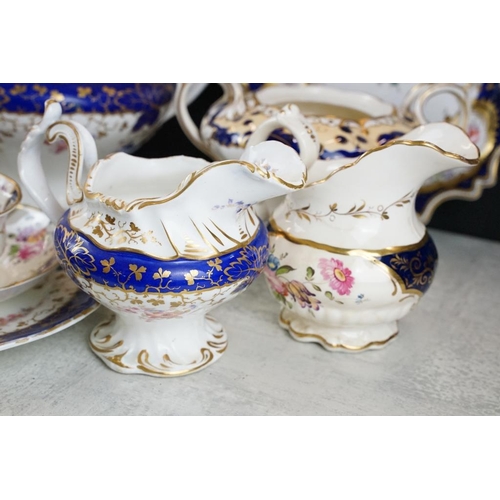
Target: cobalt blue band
140	273
416	268
85	97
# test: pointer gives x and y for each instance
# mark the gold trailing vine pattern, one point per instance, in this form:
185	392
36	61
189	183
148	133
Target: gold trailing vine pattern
118	232
152	288
358	211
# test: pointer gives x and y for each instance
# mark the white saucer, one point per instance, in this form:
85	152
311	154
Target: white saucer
29	254
47	308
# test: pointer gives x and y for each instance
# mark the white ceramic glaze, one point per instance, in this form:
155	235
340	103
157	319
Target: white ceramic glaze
349	256
472	106
112	131
226	127
29	255
353	118
47	308
160	242
327	113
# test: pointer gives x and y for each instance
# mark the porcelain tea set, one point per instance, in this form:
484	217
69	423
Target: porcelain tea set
350	119
36	299
313	186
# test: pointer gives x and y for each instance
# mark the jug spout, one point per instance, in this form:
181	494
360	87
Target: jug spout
264	171
182	207
211	211
370	201
455	149
426	151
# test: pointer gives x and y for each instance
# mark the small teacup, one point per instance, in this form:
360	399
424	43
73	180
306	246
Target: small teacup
10	196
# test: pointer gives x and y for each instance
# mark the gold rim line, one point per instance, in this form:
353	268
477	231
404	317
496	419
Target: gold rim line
17	190
366	254
55	329
278	231
174	247
485	108
480	183
253	94
287	324
400	142
140	203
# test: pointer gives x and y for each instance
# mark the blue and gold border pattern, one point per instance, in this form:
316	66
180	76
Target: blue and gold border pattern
130	271
106	98
415	268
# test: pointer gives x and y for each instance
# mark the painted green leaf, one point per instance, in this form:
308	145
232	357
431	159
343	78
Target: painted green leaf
329	295
14	249
317	288
284	270
309	273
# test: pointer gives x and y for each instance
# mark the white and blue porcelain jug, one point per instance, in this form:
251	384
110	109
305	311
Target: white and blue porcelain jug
158	241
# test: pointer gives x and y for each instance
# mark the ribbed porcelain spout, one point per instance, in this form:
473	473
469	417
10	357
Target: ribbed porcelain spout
184	207
213	213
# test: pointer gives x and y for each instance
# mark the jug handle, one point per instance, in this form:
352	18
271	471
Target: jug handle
235	108
420	93
289	117
30	167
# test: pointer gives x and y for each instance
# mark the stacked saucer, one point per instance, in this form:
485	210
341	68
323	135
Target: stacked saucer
35	299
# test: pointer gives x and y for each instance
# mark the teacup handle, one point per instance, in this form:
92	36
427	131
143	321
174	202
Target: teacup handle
289	117
419	94
234	109
83	154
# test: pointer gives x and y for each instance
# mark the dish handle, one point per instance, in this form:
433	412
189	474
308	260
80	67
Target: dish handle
418	96
235	108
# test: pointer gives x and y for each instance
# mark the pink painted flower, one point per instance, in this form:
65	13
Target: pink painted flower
275	283
339	277
28	251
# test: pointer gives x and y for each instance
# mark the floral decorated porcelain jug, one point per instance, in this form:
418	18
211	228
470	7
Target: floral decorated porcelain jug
158	241
349	256
348	123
